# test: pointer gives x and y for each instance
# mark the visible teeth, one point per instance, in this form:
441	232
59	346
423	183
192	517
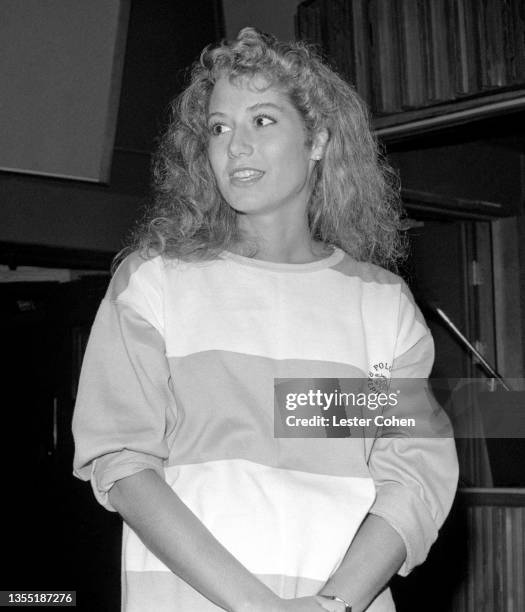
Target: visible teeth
245	174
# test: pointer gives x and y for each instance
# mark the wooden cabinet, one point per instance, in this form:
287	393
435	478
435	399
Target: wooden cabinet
477	564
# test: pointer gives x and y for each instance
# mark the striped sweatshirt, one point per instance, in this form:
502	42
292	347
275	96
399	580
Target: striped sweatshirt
178	377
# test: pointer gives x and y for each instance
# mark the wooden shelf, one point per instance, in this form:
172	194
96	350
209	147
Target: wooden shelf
478	496
407	124
14	254
432	204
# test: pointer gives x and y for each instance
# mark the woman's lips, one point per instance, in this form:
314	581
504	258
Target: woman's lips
245	176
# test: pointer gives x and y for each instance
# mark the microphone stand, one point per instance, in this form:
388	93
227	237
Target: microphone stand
465	341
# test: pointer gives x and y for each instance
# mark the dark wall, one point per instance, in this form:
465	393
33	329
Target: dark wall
482	170
479	160
164	37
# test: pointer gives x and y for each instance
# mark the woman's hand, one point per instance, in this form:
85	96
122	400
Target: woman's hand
305	604
331	605
312	604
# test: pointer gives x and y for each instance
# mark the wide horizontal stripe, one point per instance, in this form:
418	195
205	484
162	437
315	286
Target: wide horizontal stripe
203	292
174	595
225	410
226	306
270	519
165	592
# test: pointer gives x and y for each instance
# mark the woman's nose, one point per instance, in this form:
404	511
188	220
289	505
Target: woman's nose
240	143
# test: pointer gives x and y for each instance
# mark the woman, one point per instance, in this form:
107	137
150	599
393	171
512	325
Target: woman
258	262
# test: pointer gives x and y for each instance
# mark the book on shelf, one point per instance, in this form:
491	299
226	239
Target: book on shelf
443	74
308	22
492	53
509	46
337	37
412	61
359	31
386	56
425	25
464	53
517	18
478	15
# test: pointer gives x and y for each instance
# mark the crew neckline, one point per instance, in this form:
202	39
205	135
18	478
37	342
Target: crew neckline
319	264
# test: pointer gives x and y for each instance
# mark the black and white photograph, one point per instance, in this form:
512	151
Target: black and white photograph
262	284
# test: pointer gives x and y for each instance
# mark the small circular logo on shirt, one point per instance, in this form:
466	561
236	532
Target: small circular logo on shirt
379	377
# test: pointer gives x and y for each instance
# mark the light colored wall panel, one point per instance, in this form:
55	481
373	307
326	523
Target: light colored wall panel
60	66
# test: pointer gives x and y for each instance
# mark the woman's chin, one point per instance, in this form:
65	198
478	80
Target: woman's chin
245	206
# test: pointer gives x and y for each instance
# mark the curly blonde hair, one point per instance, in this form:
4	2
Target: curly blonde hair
354	203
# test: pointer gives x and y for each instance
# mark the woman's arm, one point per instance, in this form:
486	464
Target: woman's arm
180	540
415	477
375	555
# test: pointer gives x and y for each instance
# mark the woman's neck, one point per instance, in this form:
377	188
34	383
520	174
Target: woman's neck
284	243
291	253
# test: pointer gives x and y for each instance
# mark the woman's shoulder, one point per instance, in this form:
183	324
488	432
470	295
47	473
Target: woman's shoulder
133	271
141	271
367	272
386	292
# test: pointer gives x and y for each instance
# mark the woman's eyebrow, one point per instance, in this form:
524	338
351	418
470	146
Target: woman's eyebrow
254	107
216	113
260	105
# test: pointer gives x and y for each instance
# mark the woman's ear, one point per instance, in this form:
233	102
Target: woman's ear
320	141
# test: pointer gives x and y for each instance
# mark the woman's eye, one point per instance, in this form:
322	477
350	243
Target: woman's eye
218	128
263	121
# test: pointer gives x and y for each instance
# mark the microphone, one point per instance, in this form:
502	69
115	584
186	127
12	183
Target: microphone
435	309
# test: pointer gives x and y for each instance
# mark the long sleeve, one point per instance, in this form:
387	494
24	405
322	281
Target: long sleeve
125	406
415	477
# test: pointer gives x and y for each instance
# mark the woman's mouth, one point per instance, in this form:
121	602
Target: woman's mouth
245	176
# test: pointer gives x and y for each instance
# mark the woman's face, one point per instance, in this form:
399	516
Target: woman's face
257	148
